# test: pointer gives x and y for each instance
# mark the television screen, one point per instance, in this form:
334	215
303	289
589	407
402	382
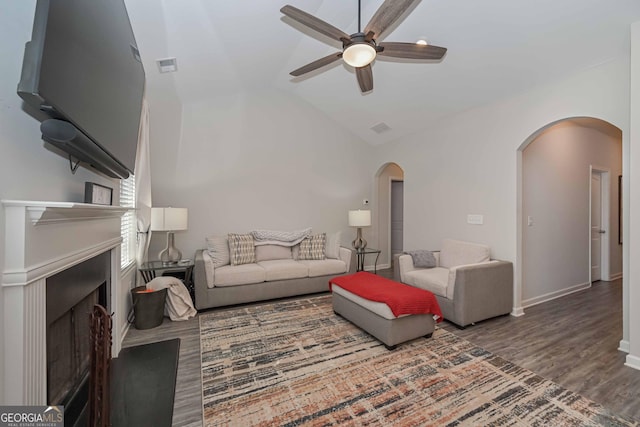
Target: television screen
83	66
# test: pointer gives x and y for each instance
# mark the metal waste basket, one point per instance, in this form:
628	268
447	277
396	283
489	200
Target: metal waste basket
148	307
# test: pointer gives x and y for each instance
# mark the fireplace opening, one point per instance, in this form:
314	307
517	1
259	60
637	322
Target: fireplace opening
71	295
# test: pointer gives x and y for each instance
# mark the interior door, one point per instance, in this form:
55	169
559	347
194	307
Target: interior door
596	226
397	215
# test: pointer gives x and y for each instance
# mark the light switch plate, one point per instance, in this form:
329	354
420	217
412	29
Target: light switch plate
475	219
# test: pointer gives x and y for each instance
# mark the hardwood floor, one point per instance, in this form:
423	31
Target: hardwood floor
572	340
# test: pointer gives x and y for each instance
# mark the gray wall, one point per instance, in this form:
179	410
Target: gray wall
556	179
468	163
382	216
257	159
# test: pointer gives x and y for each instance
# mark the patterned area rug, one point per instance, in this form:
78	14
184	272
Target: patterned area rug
296	363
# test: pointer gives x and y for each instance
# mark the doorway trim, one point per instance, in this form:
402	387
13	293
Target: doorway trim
391	179
605	221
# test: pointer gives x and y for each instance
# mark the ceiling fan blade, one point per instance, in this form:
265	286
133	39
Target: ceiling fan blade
316	64
411	50
314	23
365	78
386	15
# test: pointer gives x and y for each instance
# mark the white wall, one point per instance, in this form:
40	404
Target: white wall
468	163
258	160
631	184
556	184
28	170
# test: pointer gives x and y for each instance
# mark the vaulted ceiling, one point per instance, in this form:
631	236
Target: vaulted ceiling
495	48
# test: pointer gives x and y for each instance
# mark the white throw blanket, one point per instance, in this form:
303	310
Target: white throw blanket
178	305
283	238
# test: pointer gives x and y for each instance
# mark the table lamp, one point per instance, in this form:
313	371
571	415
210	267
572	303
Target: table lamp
359	219
169	220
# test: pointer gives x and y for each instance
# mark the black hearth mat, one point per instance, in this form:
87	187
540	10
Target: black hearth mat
143	384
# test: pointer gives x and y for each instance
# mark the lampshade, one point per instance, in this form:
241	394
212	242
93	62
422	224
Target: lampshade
169	219
359	54
359	218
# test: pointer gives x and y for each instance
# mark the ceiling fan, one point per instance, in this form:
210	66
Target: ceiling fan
361	48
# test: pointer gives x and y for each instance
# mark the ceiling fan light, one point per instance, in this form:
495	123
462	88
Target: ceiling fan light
359	54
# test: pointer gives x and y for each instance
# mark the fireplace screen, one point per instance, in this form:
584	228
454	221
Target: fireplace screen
71	295
68	350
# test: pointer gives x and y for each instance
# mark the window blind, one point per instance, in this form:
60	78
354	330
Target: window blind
128	224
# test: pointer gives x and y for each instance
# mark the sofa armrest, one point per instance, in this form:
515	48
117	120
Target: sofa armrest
349	257
401	264
200	282
482	290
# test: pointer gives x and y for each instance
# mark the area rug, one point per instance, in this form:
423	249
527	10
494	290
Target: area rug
295	362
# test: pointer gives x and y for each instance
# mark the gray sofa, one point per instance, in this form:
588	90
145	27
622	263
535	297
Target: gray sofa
274	275
468	285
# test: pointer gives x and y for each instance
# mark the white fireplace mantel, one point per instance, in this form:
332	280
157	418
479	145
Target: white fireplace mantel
45	212
42	239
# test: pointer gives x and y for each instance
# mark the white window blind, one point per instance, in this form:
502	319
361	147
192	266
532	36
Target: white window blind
128	224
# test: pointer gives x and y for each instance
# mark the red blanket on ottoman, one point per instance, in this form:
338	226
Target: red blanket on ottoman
401	298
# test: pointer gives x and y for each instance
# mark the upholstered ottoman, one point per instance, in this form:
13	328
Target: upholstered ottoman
390	311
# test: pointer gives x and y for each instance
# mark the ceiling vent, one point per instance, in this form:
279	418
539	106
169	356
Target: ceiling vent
381	128
167	65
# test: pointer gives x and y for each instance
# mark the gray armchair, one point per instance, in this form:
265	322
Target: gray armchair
468	285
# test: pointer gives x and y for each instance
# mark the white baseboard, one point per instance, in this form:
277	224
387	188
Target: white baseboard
633	362
379	267
624	346
517	312
556	294
615	276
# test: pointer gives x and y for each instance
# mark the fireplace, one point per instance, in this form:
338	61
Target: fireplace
60	258
71	295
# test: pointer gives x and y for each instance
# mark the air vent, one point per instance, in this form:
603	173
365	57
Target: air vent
167	65
381	128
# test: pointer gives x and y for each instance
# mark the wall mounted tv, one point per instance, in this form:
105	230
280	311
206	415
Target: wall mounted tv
83	69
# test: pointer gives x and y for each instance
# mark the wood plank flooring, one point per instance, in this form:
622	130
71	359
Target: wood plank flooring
572	340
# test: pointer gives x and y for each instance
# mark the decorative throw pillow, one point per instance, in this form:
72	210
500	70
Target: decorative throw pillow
313	247
218	249
332	247
422	258
241	249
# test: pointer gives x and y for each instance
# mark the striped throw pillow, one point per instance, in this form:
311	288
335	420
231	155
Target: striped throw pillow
313	247
241	249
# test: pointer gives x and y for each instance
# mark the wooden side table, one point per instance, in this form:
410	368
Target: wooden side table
360	255
149	270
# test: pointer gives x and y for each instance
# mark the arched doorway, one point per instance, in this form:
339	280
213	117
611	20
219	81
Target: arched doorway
390	218
558	167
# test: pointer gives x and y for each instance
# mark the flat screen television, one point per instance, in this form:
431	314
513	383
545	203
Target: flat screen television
83	69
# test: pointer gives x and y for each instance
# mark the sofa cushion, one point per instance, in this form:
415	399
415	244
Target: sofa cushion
454	253
218	249
332	245
281	269
269	252
434	280
313	247
231	275
241	249
325	267
422	258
